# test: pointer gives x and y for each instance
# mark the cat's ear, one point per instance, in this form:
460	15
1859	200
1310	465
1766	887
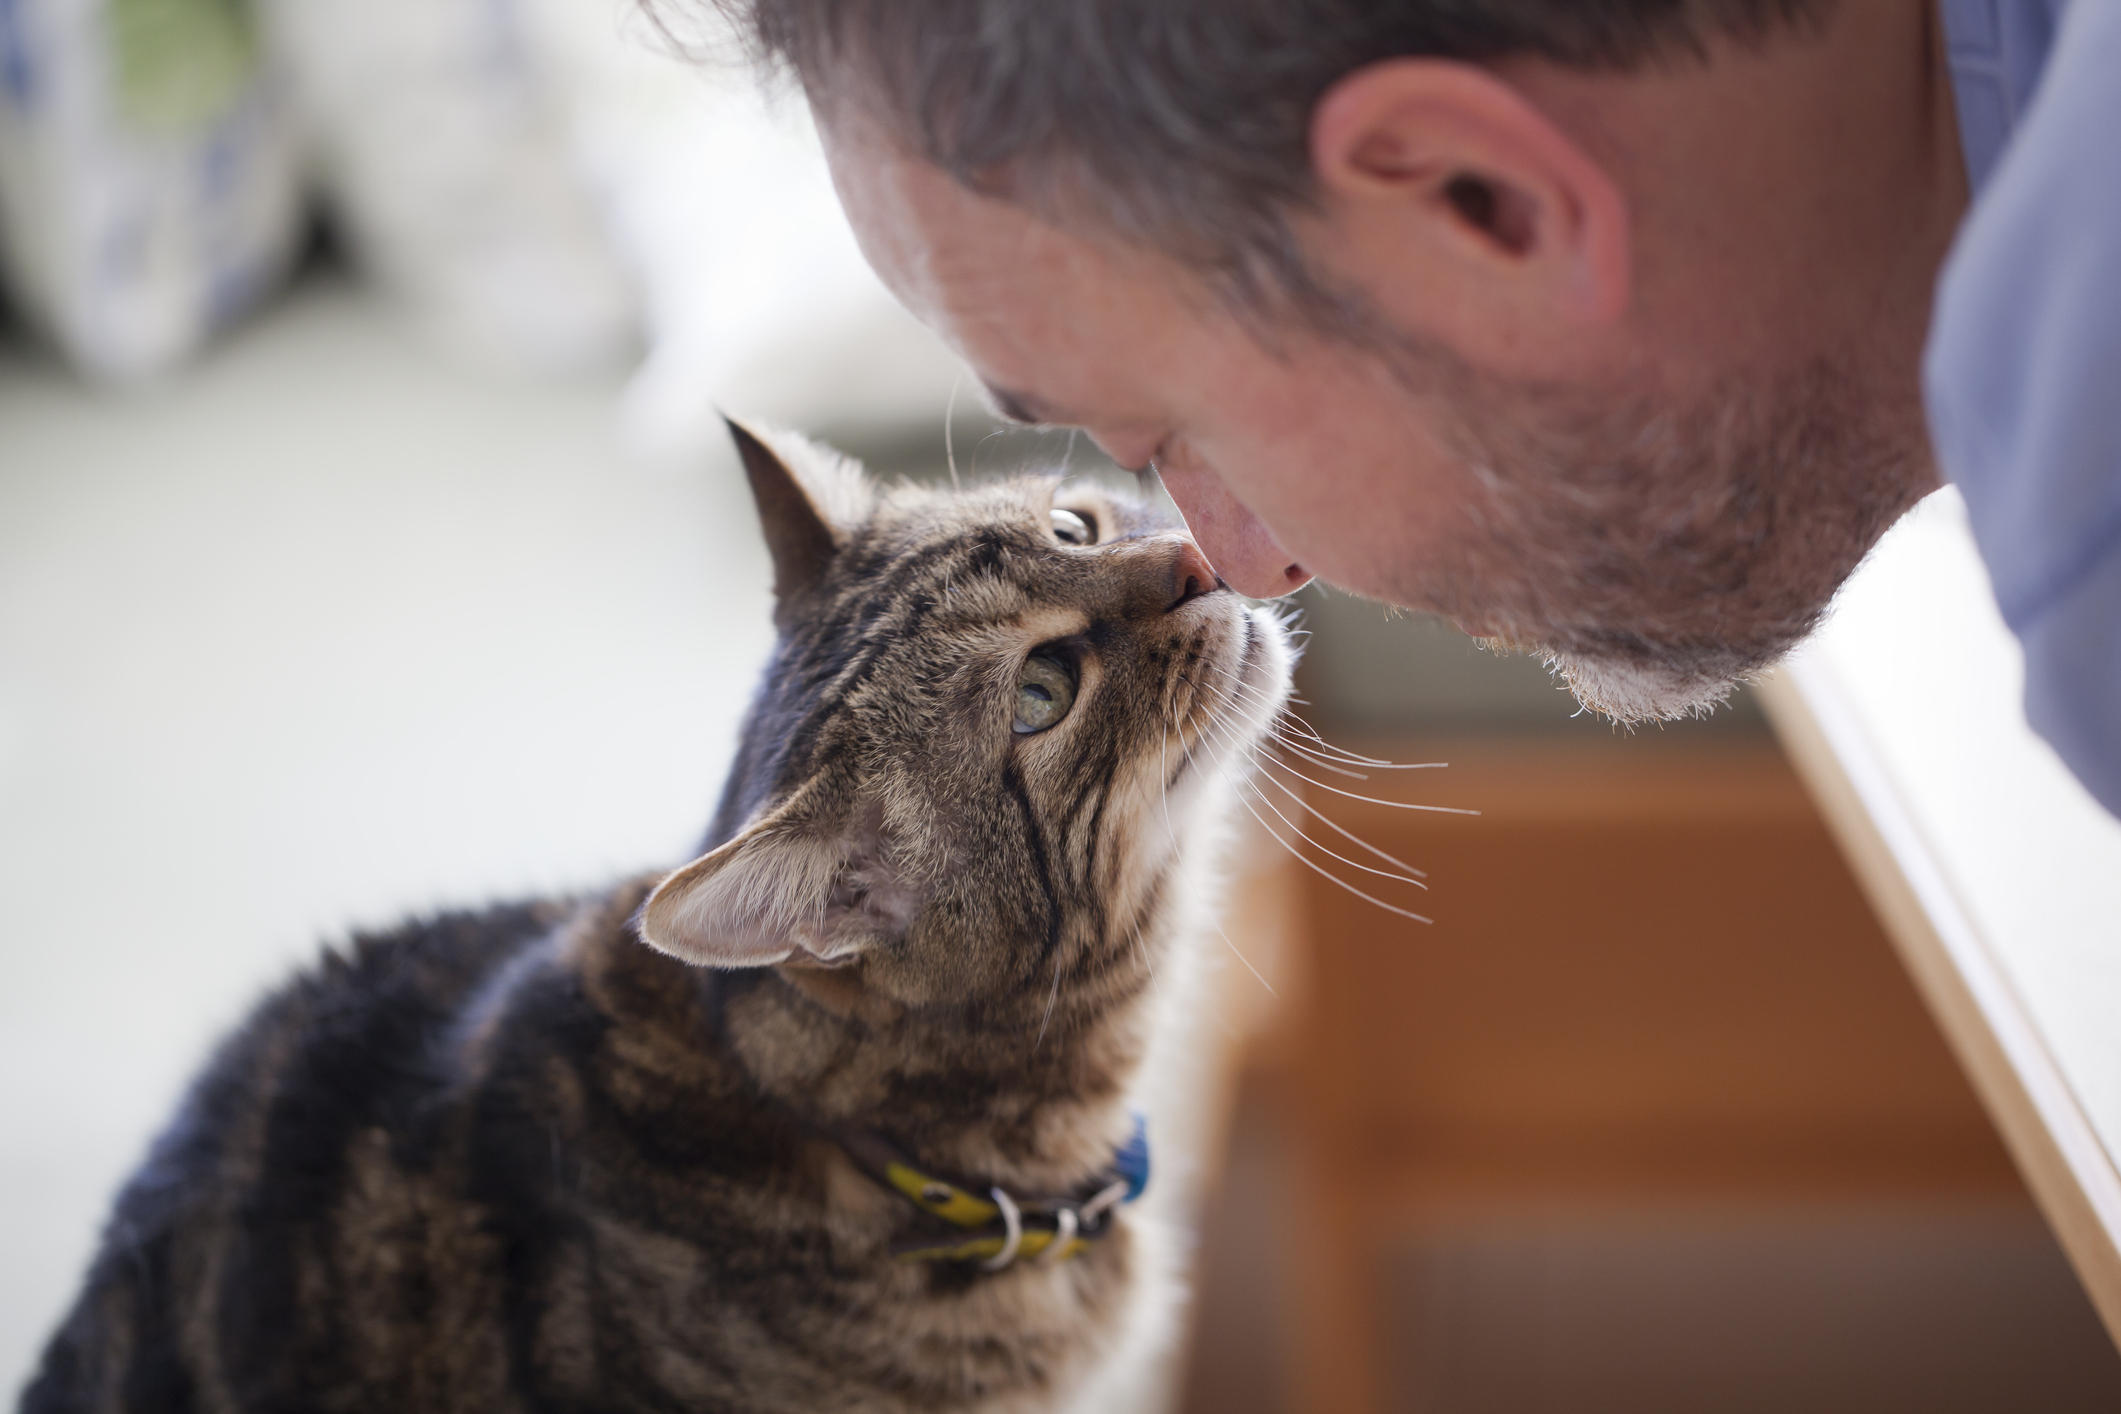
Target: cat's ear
788	888
810	498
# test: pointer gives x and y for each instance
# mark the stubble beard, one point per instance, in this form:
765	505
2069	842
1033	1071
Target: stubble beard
1658	559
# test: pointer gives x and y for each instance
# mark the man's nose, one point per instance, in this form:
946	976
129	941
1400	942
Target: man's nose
1191	574
1247	557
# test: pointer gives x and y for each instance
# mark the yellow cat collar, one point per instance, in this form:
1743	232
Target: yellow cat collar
983	1249
946	1200
998	1227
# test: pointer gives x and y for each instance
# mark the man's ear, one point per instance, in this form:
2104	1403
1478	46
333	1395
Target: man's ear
787	888
1445	174
810	499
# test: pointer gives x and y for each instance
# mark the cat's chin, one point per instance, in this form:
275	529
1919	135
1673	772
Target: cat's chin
1261	671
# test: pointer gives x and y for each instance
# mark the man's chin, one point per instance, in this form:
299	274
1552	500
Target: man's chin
1658	557
1635	691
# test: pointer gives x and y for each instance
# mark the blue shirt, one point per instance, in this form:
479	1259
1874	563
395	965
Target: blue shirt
2023	372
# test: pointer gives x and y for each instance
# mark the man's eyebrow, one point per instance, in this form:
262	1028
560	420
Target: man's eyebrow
1019	407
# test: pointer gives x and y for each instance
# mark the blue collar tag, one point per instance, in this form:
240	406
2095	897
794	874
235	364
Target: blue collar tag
1132	1160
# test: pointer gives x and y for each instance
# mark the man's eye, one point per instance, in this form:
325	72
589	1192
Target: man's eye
1073	528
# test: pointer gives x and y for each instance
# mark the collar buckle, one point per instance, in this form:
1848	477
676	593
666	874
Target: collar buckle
1000	1228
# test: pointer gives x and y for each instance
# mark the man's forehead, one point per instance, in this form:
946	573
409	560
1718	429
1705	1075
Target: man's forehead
917	224
968	258
990	277
1060	325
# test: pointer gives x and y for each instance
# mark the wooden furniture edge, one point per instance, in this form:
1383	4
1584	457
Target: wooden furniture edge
1961	980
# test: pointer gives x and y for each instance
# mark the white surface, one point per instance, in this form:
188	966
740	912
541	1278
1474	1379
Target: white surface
753	291
323	631
1918	652
150	190
442	147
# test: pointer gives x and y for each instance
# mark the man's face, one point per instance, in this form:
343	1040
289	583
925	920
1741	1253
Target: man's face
1656	547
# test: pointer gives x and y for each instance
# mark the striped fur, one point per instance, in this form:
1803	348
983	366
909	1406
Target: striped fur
519	1161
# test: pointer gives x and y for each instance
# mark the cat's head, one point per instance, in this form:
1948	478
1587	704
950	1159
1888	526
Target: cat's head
988	730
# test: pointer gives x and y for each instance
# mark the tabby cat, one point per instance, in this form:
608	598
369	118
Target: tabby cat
835	1117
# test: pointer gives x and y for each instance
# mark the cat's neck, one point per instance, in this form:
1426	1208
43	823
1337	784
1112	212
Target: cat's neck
1008	1093
983	1094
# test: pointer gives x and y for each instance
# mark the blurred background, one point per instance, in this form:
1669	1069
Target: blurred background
368	544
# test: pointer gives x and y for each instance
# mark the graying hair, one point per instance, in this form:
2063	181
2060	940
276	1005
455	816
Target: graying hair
1182	125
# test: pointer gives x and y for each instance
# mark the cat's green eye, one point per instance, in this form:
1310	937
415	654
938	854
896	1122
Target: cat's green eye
1045	690
1073	528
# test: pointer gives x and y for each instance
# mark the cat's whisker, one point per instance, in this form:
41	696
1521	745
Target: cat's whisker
1252	691
1290	725
1234	952
1249	783
1351	863
1052	996
1164	781
1227	704
1341	753
1321	762
1280	737
1373	800
1325	754
1239	785
1227	735
1226	738
1323	872
1370	765
1148	963
981	445
1238	680
1334	825
949	419
1210	719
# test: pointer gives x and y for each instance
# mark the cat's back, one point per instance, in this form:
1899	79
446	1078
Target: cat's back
322	1106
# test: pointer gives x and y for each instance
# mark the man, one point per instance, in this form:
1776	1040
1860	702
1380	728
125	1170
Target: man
1598	326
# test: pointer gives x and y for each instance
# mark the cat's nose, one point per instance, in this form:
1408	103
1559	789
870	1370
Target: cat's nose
1191	575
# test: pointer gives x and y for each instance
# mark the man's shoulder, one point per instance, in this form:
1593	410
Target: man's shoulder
2019	381
1997	52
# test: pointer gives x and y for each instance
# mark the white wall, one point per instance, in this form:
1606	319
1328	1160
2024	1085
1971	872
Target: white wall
318	633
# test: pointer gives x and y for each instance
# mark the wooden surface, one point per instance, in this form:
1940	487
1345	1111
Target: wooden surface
1651	983
1998	879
